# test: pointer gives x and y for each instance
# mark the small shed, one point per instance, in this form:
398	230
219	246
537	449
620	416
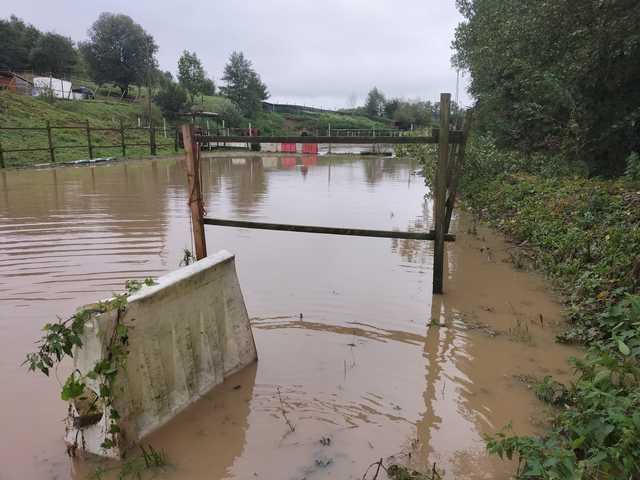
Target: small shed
15	83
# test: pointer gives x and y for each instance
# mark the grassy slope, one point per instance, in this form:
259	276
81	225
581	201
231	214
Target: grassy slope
21	111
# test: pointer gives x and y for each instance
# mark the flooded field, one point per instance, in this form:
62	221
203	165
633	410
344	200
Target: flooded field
357	362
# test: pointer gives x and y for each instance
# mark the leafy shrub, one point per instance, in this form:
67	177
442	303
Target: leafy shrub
632	170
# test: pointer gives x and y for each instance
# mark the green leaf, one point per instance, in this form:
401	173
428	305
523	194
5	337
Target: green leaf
624	349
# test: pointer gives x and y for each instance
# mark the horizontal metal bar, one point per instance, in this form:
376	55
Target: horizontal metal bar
358	232
454	137
333	140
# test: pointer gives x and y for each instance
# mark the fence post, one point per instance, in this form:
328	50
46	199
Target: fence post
456	170
89	145
1	157
52	154
192	165
176	140
122	142
152	139
440	193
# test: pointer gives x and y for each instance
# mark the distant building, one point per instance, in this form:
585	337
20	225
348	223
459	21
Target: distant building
50	86
15	83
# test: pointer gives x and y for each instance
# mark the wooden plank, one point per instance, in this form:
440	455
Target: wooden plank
440	193
454	137
457	170
192	165
357	232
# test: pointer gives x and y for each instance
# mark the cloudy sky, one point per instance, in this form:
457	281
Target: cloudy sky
318	52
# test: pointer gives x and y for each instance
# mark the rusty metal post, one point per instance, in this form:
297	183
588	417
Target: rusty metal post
192	165
440	194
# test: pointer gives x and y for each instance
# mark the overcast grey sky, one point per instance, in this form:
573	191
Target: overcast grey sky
317	52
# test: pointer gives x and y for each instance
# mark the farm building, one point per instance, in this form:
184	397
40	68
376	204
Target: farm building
15	83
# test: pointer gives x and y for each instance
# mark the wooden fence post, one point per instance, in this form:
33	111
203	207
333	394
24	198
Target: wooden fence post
152	139
192	165
89	145
176	140
122	142
439	197
1	157
52	154
456	170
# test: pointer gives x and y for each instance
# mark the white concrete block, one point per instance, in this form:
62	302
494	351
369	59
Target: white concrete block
185	335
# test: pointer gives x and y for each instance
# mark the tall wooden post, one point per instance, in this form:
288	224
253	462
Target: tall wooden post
122	142
52	154
456	170
192	165
2	165
89	145
440	194
152	140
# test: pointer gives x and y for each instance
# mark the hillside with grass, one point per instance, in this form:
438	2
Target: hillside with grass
18	111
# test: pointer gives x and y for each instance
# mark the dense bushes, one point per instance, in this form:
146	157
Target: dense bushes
585	234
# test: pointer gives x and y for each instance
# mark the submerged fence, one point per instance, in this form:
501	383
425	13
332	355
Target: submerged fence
86	137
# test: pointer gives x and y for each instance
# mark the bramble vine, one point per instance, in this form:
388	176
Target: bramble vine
59	341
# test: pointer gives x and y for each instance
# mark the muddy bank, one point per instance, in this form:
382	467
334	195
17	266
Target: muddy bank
372	368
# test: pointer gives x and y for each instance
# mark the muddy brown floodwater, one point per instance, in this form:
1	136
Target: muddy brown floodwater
352	346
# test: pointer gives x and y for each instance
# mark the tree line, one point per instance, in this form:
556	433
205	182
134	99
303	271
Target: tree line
119	51
404	113
556	75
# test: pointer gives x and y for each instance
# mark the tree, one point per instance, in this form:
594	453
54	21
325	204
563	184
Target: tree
191	74
16	41
171	99
119	51
374	106
554	77
243	85
208	87
53	53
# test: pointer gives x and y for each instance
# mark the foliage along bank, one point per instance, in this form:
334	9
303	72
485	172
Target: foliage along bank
584	233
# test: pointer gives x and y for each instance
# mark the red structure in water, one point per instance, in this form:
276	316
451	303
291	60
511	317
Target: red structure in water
289	162
288	147
311	148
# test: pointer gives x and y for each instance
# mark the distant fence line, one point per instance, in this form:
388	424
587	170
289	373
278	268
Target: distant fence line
89	144
151	134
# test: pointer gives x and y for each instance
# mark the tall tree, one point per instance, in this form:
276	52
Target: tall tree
243	85
53	53
549	75
119	51
374	106
191	74
16	41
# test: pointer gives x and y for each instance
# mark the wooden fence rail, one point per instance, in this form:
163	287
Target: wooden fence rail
89	139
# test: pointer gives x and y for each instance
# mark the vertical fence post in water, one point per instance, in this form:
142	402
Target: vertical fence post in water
456	170
439	197
192	165
89	145
1	157
122	142
52	154
176	140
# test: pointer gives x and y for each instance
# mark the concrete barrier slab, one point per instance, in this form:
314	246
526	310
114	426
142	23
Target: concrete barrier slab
185	335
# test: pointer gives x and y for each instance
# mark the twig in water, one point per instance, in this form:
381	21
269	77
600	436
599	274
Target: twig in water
292	427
